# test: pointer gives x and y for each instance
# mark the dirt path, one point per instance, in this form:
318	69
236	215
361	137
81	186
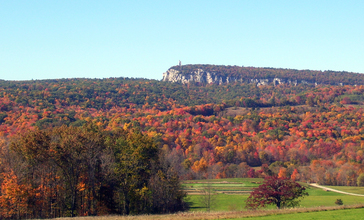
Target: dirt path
334	190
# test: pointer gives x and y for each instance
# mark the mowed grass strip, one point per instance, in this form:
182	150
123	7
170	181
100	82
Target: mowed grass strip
247	181
344	214
235	185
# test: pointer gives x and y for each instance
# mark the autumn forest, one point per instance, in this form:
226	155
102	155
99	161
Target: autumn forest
63	141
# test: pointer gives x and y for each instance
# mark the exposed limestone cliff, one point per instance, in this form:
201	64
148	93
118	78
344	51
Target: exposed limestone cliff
201	76
198	75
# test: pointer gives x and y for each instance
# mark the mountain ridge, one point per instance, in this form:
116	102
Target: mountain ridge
219	74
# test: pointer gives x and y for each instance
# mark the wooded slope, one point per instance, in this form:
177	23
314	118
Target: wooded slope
208	131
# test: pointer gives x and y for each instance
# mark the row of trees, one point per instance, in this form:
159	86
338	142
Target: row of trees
77	171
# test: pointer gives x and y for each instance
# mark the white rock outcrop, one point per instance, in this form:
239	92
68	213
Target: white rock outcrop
198	75
202	76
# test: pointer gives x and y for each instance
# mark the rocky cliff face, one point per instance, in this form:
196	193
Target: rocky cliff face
201	76
198	75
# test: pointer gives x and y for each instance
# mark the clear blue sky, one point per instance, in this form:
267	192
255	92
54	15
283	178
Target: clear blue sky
48	39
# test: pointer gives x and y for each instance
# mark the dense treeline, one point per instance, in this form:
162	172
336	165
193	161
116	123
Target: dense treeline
247	73
73	101
78	171
128	93
202	131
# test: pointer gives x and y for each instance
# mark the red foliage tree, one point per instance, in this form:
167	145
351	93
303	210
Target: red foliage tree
281	192
251	173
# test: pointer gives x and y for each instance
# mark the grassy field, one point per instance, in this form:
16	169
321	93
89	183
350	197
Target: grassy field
232	194
347	214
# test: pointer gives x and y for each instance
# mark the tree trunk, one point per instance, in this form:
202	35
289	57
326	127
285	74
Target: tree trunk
73	205
126	203
278	204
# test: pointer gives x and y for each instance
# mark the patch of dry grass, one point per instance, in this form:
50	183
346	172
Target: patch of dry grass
216	215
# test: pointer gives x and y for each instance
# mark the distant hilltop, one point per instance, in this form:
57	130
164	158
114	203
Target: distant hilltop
219	74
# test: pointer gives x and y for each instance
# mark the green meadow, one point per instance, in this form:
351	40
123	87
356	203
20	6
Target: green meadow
231	194
347	214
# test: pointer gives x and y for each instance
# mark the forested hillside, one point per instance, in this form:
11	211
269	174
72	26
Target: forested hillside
305	132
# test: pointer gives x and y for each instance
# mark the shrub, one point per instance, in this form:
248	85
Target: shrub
339	202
